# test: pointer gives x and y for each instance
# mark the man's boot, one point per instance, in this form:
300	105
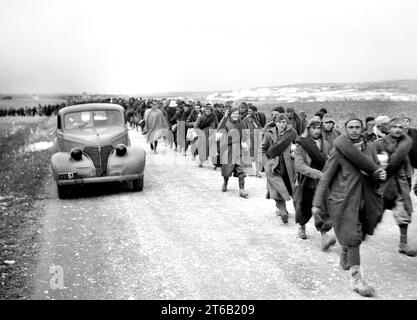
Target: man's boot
224	187
282	210
404	247
358	284
327	240
242	191
343	259
302	232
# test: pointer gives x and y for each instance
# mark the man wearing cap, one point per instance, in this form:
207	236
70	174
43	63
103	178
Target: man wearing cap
232	145
380	128
310	156
278	163
348	193
368	133
329	132
397	145
294	119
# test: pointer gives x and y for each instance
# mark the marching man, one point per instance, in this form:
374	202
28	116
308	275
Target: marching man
310	157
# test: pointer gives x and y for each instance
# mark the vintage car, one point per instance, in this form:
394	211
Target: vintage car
92	145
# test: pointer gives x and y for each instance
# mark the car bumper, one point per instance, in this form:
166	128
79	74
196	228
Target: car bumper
100	179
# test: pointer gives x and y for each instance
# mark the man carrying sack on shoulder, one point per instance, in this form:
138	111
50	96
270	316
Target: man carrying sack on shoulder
349	192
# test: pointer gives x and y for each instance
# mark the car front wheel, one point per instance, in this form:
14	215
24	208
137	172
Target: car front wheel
137	184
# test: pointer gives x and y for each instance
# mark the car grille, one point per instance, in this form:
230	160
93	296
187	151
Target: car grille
99	155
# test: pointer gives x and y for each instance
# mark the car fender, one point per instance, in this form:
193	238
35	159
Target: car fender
62	162
132	162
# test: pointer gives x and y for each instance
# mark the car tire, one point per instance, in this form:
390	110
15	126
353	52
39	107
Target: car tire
63	192
137	184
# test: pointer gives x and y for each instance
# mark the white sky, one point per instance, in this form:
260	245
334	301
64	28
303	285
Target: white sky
134	47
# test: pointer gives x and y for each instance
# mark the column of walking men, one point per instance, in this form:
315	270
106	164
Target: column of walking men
343	181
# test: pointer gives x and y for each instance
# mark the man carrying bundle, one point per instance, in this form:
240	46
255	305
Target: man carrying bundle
349	192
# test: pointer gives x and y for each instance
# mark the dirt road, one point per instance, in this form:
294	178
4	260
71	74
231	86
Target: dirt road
182	238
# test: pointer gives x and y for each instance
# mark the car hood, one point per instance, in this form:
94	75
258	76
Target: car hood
95	136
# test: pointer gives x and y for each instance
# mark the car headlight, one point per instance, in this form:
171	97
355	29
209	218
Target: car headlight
76	154
121	150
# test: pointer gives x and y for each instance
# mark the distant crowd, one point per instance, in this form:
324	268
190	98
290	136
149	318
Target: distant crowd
40	110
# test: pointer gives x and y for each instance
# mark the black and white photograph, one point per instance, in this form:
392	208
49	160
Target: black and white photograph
221	152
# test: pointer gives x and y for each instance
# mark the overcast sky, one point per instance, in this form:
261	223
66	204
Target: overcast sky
133	47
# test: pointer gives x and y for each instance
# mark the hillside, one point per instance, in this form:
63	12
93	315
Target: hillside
400	90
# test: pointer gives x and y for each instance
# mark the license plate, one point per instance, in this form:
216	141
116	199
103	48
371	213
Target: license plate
66	176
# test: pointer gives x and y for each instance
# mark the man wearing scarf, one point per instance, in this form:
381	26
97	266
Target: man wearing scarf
310	157
349	194
232	145
278	163
397	145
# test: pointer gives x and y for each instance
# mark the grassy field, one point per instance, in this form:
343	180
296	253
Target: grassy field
22	176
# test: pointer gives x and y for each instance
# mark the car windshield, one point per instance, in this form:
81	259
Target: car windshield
89	119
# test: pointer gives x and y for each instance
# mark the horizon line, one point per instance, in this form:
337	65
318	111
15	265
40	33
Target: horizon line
173	93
